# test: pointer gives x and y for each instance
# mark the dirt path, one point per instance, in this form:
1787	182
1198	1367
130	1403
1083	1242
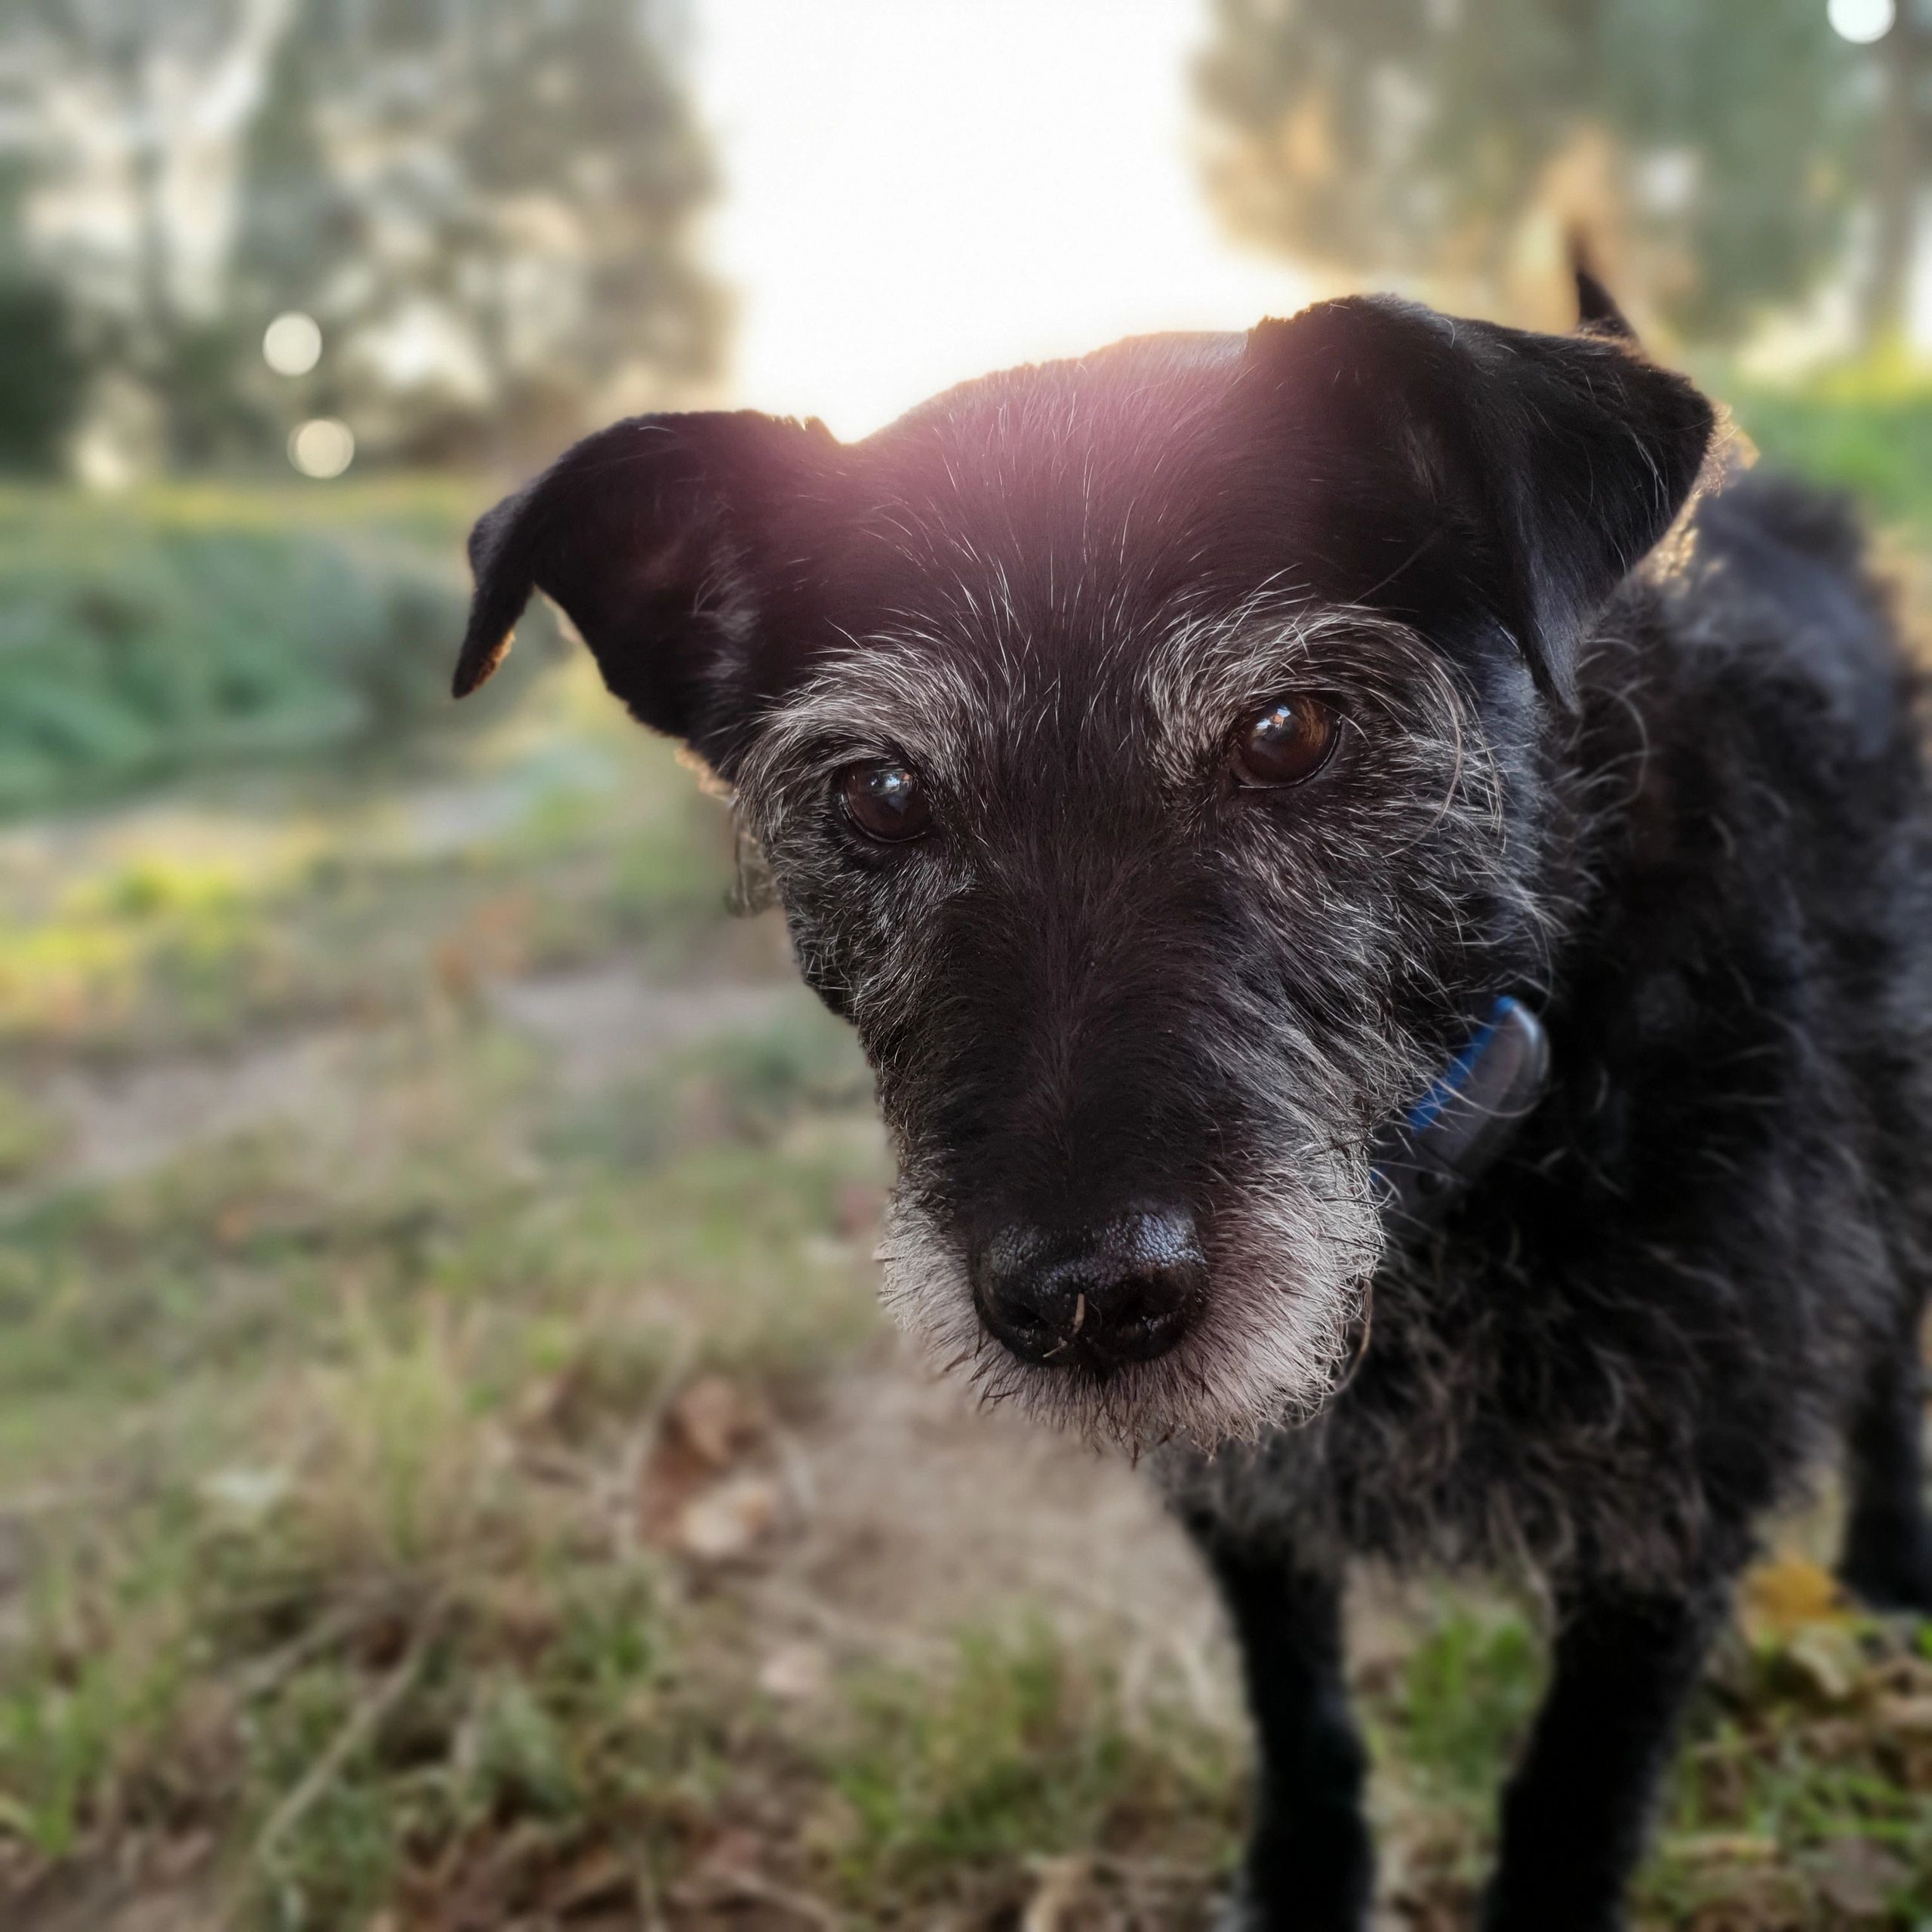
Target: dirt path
925	1514
599	1027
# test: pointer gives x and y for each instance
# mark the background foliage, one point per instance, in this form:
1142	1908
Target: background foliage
204	628
1718	151
489	207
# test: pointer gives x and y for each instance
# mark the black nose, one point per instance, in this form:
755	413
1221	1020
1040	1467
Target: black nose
1123	1292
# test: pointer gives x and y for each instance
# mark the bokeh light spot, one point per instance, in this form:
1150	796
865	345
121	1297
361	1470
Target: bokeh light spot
292	343
322	447
1862	22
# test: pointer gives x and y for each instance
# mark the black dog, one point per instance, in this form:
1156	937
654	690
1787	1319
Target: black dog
1184	766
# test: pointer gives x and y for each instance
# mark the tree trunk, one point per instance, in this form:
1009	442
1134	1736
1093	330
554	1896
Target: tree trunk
1901	171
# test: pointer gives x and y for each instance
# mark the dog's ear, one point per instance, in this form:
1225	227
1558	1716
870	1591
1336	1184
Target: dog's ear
1597	312
1540	469
656	537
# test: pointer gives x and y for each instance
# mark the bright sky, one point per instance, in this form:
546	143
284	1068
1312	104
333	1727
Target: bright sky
919	191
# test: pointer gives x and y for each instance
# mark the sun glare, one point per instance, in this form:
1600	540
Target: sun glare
914	194
1862	22
292	344
322	447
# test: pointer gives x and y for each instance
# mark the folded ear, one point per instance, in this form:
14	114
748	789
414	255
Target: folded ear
1539	468
656	537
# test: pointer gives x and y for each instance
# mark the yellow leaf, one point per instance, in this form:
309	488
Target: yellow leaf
1786	1594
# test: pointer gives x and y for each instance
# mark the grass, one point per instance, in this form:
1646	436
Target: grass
282	900
329	1585
1023	1753
187	627
1866	428
433	1238
1802	1798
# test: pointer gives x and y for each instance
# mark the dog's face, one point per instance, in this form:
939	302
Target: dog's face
1146	752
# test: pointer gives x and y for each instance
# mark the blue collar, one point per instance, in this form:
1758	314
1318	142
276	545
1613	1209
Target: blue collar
1448	1139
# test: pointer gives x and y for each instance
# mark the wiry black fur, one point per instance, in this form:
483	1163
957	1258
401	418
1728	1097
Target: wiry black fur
1679	805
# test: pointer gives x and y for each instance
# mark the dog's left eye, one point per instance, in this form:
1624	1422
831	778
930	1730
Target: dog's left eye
1288	739
884	800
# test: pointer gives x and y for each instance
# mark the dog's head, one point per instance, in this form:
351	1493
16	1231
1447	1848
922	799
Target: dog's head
1147	752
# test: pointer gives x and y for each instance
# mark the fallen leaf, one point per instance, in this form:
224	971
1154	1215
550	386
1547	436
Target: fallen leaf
725	1520
1826	1659
1725	1847
1857	1876
1905	1724
1787	1594
246	1494
1067	1898
719	1419
1911	1716
795	1673
597	1877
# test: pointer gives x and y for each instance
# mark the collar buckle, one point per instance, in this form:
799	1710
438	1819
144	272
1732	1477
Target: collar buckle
1424	1162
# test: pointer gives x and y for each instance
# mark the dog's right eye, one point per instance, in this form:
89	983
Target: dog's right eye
1284	743
884	801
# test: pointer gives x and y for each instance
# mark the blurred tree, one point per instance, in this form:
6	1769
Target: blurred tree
43	376
1904	161
487	203
1720	144
489	208
118	114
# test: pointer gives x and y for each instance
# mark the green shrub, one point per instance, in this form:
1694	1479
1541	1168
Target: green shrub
1866	428
189	628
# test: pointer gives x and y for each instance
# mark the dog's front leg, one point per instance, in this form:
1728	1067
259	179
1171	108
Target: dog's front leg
1575	1815
1310	1866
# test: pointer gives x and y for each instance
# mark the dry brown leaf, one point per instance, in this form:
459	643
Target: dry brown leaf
597	1876
1786	1594
724	1521
1067	1898
712	1426
1907	1716
795	1673
1725	1847
719	1420
1857	1876
1826	1659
